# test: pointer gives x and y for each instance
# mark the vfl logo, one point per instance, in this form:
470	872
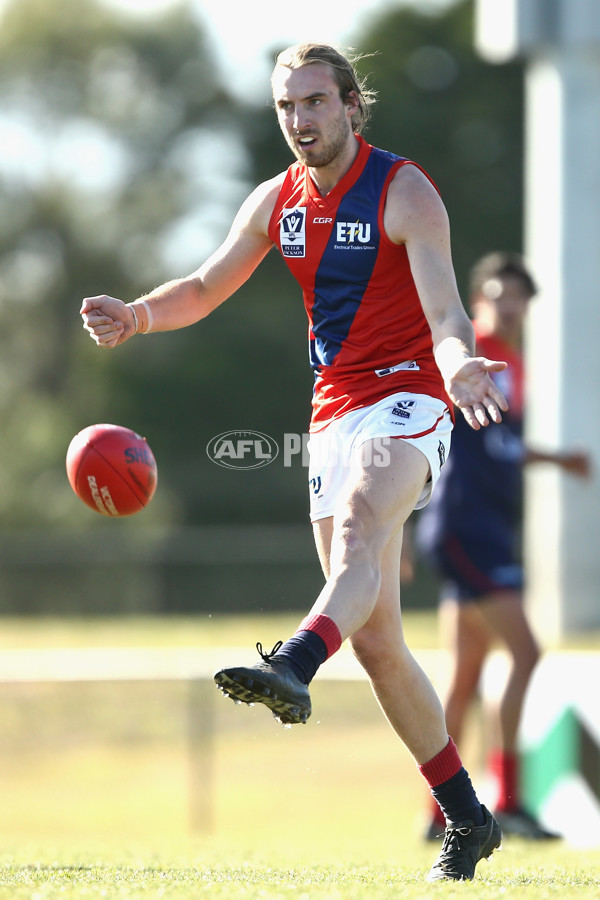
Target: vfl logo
292	232
404	408
242	449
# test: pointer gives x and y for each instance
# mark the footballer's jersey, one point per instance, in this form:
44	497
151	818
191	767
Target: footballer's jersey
368	335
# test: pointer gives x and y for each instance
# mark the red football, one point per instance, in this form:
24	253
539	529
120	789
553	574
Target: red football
112	469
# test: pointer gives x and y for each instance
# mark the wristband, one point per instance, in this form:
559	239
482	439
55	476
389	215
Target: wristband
143	317
149	316
135	318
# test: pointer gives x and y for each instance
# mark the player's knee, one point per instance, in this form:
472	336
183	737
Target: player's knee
359	533
375	649
364	647
524	651
529	659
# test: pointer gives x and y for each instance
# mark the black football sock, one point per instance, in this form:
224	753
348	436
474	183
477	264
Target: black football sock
458	800
304	652
451	786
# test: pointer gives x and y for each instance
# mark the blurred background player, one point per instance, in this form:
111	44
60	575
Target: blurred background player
471	532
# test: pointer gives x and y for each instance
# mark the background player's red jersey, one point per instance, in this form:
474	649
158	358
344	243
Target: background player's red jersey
368	335
509	380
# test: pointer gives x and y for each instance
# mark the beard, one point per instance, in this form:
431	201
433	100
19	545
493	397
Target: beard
330	146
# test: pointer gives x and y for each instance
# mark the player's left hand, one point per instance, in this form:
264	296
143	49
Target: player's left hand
474	392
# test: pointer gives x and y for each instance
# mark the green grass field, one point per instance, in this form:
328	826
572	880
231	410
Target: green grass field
162	789
229	878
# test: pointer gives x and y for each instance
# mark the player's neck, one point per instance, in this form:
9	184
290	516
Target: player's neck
325	178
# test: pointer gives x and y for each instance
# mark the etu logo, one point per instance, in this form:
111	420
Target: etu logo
350	232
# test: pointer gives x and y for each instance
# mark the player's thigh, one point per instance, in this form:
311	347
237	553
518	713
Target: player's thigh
390	503
383	488
389	594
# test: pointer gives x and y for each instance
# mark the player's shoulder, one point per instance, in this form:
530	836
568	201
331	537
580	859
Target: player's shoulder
411	184
271	186
266	193
413	204
259	205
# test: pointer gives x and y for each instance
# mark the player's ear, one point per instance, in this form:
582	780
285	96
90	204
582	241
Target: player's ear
352	101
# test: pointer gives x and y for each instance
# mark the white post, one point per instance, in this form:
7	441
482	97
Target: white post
562	243
562	227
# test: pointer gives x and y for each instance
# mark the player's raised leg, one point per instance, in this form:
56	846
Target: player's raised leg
378	500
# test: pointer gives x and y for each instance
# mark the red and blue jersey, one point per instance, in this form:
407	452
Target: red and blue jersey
368	335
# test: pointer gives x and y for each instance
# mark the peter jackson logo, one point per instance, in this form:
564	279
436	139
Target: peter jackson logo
292	232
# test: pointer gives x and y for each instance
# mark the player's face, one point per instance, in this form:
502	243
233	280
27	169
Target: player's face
315	121
506	302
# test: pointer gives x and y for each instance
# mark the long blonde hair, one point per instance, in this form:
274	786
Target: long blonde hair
343	70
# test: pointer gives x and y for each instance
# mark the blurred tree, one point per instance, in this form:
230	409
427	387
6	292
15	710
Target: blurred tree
459	117
114	132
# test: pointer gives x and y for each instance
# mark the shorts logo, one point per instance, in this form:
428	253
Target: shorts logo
315	484
292	232
404	408
441	454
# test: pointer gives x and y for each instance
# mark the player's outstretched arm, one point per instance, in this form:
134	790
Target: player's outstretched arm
184	301
416	216
576	462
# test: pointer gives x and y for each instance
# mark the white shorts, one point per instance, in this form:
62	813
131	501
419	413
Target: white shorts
422	421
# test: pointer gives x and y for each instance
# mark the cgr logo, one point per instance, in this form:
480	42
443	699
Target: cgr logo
242	449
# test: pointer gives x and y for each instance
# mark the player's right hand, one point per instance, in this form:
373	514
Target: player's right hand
107	319
474	392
